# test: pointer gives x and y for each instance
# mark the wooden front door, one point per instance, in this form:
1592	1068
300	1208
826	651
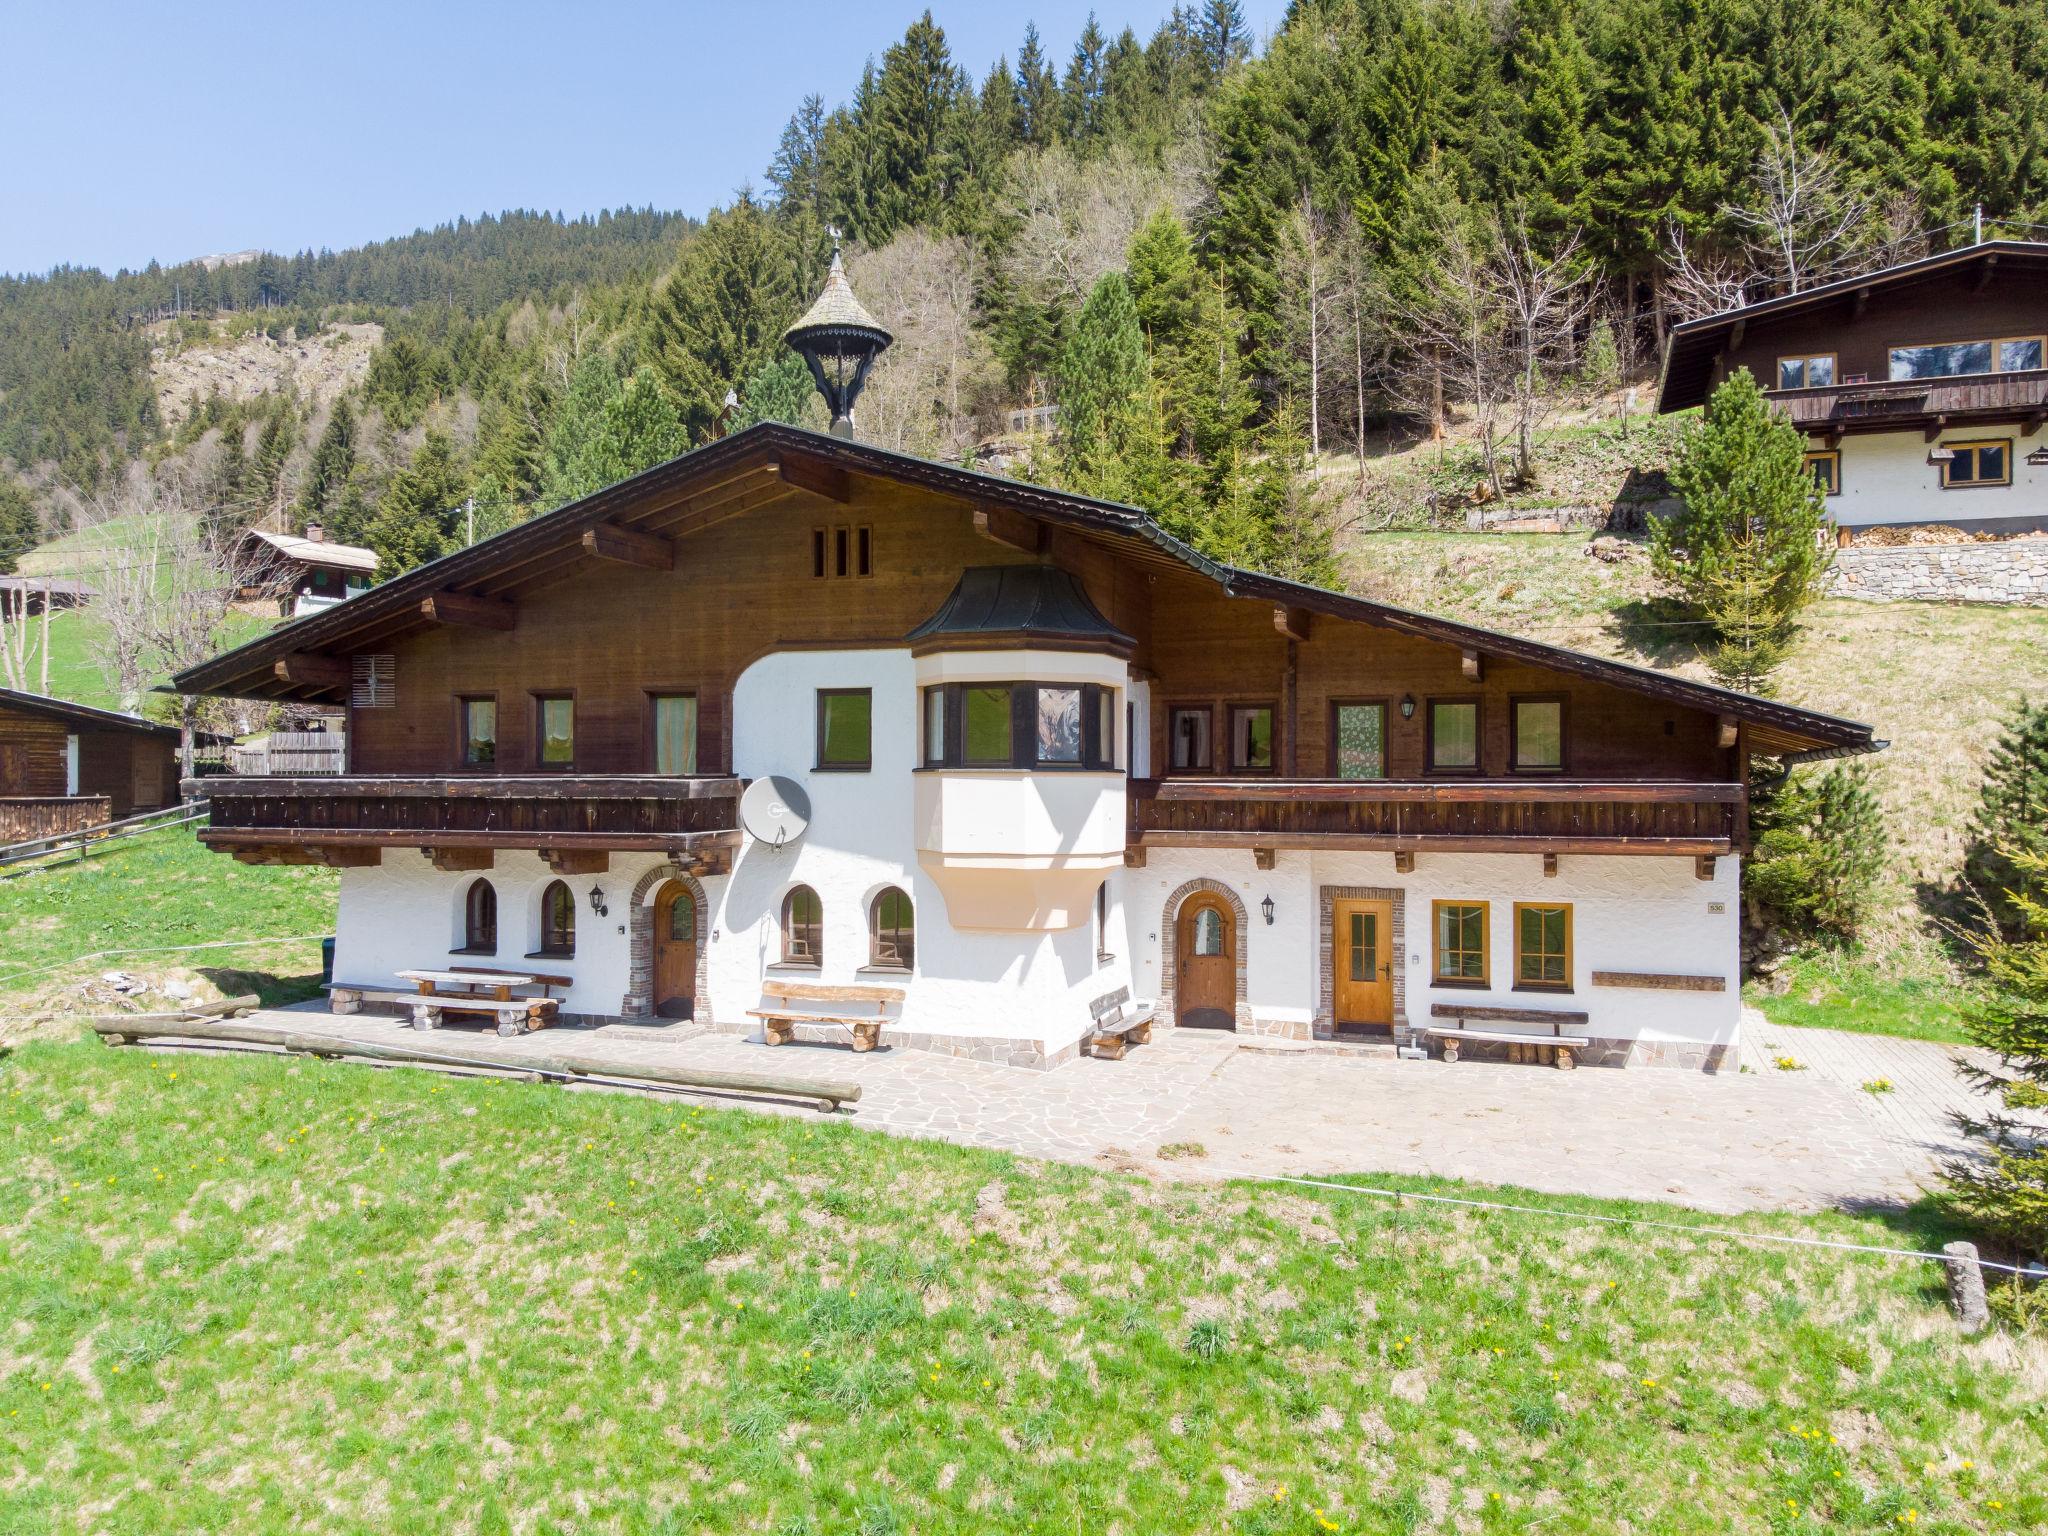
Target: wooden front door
1205	965
1361	949
675	952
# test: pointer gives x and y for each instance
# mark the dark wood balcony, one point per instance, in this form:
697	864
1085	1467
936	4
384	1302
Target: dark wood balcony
1448	815
556	814
1890	405
23	817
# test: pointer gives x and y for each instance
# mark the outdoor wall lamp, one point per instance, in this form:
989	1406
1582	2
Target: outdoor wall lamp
597	901
1940	455
1407	706
2038	457
1266	908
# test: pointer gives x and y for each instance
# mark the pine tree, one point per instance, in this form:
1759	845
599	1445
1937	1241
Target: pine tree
781	390
2011	823
918	130
1038	91
1225	38
1103	379
797	171
1082	90
415	519
334	460
722	313
565	471
1745	551
1818	853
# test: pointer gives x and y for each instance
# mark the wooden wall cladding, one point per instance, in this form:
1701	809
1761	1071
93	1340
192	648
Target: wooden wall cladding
611	633
31	754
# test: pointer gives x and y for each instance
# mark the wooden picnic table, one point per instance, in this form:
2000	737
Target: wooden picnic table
480	991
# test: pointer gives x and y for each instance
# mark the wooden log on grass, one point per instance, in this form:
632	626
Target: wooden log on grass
111	1024
827	1092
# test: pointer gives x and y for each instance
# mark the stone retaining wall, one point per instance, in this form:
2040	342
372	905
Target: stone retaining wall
2012	572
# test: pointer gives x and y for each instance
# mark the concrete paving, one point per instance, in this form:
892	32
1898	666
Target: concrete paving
1224	1106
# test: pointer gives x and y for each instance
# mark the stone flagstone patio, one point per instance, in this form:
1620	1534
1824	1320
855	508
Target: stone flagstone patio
1227	1106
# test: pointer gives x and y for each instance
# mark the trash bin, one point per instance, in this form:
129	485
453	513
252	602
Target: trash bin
327	959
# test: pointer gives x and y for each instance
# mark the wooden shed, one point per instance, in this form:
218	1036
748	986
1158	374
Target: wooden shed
65	765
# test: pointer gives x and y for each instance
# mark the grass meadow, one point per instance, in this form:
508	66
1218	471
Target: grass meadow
265	1295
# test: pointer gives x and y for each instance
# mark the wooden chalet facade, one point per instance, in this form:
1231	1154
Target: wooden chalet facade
66	766
1922	388
302	573
1048	750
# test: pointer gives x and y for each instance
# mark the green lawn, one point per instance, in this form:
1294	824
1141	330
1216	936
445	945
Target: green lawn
258	1295
1851	992
157	890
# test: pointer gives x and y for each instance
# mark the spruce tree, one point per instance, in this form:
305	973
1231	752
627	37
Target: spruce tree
721	314
19	531
1745	551
2001	1187
796	173
416	517
2011	823
579	418
1103	380
1037	91
781	390
334	459
1818	852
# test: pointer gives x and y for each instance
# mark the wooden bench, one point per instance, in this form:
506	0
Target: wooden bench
1116	1024
1522	1046
778	1025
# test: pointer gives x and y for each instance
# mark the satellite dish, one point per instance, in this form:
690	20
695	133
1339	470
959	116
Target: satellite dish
775	810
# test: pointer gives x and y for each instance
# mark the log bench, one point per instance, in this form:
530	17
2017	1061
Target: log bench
802	1002
1559	1048
1116	1024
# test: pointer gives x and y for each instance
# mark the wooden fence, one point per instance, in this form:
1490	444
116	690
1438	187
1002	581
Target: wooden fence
26	816
293	754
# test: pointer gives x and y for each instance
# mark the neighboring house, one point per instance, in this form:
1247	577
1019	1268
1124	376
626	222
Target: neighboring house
1048	752
28	596
65	765
1922	388
303	574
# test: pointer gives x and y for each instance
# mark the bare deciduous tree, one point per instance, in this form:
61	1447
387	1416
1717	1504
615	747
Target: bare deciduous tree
931	392
167	587
24	642
1313	290
1545	299
1803	221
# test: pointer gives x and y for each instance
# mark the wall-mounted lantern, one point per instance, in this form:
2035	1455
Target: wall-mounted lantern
1407	706
2038	457
597	901
1266	908
1940	455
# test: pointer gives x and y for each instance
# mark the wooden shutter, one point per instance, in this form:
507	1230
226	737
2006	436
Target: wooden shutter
375	682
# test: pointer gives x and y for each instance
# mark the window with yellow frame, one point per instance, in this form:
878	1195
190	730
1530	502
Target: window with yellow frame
1460	928
1973	464
1543	946
1825	465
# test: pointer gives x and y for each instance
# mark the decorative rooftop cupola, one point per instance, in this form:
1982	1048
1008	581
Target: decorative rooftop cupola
1018	607
840	340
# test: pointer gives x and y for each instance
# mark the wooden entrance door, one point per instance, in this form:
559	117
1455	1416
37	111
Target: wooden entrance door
1205	965
1361	950
675	952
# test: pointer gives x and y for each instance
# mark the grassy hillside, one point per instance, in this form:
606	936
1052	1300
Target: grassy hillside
252	1295
155	894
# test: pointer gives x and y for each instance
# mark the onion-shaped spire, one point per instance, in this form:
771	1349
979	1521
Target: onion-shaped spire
840	340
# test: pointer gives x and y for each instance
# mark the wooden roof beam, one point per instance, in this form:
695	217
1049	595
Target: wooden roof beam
308	669
649	551
1984	272
807	474
1472	664
468	611
1737	332
1936	425
1859	301
577	861
1000	525
1294	623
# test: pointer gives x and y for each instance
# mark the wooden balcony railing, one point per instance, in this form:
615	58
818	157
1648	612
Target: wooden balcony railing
28	816
618	813
1902	402
1470	815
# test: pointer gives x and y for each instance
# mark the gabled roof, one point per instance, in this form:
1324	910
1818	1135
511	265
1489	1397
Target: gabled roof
796	456
55	586
82	716
1688	373
344	557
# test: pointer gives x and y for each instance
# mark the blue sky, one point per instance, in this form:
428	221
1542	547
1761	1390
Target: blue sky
137	131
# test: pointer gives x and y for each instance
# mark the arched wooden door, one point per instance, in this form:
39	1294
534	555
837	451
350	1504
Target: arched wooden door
675	952
1205	965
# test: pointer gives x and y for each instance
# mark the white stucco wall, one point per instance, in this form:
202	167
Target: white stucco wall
1628	914
1886	479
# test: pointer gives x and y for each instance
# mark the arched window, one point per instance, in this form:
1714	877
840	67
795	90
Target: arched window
892	939
803	928
557	920
480	919
1209	932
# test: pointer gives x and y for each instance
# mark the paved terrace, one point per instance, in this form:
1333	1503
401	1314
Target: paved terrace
1761	1140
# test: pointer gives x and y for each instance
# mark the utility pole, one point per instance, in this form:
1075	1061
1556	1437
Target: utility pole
469	517
1977	225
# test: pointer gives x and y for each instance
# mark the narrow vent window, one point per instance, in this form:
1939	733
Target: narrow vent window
375	682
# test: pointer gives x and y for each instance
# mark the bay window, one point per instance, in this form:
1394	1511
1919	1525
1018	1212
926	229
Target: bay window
1019	725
